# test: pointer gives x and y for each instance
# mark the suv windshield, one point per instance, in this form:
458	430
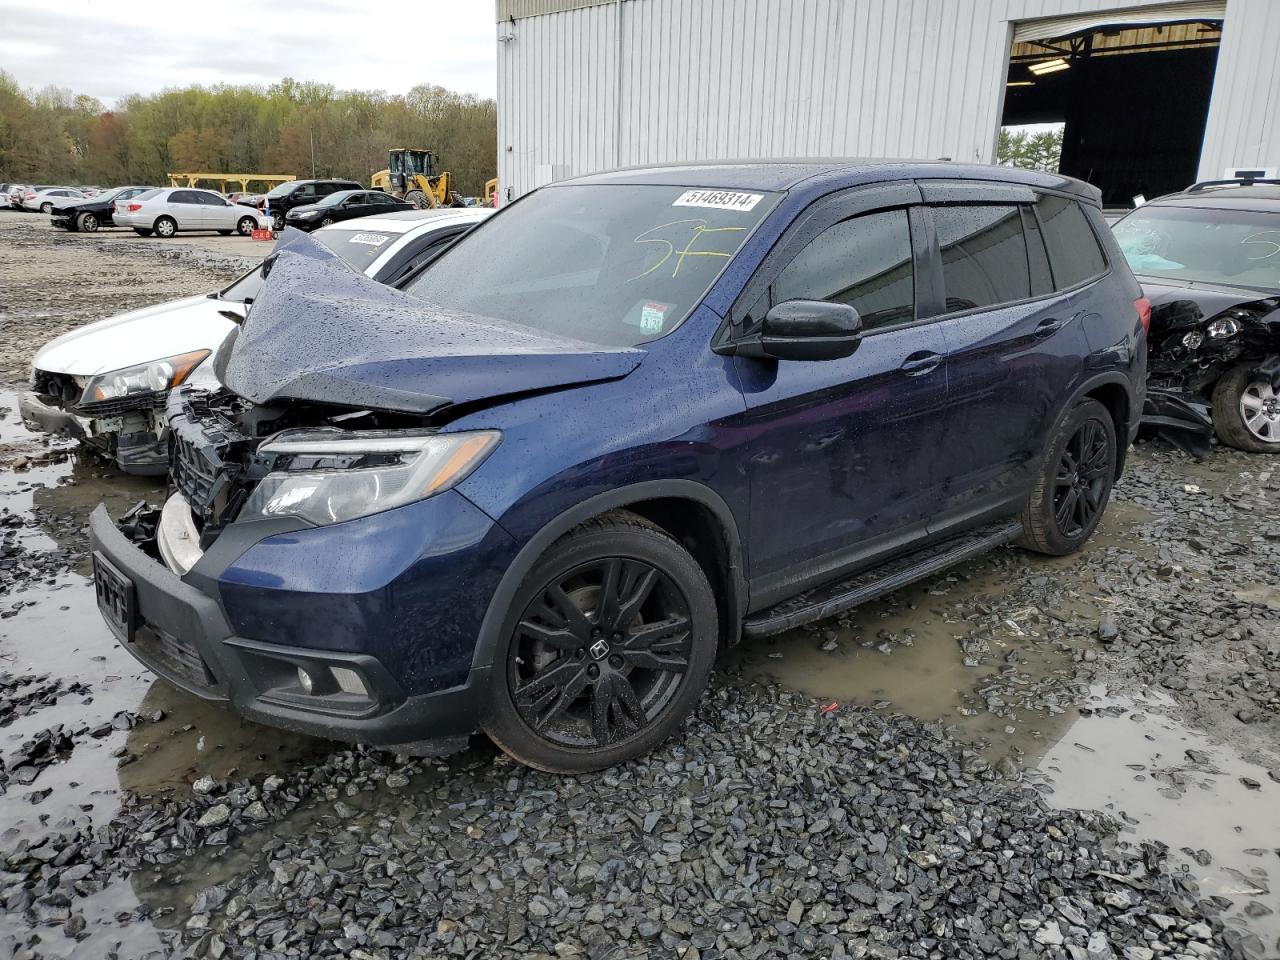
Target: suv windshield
614	264
1239	248
283	189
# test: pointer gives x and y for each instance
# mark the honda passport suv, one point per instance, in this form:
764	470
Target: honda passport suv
628	420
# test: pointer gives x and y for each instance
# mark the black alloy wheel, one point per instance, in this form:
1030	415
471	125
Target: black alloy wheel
1080	485
600	652
1072	481
609	643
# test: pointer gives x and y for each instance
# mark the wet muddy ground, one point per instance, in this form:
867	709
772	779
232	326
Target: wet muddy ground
1075	757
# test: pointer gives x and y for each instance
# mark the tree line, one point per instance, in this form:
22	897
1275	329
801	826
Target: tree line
292	127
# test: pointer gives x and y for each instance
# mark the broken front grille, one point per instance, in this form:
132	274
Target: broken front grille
207	453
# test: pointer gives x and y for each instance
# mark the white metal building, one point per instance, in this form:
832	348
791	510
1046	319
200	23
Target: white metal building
586	85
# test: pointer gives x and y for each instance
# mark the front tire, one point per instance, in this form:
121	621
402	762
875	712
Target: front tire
166	227
1246	415
245	226
610	641
87	223
327	222
1073	482
277	222
418	199
46	208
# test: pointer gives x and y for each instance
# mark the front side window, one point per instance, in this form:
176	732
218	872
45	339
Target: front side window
1233	247
984	256
612	264
1074	253
864	262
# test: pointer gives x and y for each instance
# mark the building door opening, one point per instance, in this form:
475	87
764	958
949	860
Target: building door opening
1130	101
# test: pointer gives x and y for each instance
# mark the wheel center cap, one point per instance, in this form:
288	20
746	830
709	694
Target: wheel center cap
598	650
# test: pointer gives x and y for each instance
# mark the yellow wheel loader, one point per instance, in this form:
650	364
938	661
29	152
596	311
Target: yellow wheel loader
411	175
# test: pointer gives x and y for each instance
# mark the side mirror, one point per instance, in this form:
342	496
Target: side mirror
805	330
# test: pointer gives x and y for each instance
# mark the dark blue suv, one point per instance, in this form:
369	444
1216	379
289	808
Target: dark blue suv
628	420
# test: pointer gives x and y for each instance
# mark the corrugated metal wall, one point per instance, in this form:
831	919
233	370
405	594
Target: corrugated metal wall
705	79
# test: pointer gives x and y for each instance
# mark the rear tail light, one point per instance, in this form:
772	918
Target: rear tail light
1143	306
134	207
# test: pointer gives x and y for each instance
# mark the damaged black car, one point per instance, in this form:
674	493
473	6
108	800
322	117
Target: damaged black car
1208	259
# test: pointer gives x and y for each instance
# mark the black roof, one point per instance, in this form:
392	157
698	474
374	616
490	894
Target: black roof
800	173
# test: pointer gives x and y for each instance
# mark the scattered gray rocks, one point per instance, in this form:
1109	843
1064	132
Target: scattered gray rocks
766	830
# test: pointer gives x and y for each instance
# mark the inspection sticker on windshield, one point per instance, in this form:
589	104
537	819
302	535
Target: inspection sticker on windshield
653	316
718	199
372	239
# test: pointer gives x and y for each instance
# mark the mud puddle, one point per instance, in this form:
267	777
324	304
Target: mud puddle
1164	781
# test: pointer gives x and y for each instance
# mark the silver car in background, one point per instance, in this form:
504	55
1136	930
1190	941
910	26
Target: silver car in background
168	210
44	199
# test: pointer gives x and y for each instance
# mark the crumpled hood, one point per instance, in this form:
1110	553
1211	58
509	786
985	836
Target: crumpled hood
321	332
1177	306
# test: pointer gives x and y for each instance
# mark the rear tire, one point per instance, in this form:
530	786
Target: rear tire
142	231
166	227
1246	415
245	226
608	646
1072	483
87	223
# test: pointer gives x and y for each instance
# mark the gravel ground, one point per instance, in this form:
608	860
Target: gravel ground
52	281
1069	758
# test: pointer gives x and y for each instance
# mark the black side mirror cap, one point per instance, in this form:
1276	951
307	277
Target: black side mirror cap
804	330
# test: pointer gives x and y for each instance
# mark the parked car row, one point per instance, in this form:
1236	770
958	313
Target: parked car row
568	458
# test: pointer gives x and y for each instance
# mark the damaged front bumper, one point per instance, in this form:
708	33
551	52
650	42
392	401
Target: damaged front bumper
134	443
182	628
1182	419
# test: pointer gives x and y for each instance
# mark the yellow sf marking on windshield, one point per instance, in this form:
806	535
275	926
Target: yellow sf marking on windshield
700	227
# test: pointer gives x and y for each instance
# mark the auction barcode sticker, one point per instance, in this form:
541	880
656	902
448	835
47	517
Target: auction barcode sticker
719	199
372	239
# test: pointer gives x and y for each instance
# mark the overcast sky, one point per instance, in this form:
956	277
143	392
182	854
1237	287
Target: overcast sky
111	48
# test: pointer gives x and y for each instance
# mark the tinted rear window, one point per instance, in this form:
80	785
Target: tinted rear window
1074	252
984	256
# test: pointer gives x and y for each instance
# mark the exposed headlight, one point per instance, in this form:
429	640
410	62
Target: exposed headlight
1221	329
1193	340
331	476
152	377
308	214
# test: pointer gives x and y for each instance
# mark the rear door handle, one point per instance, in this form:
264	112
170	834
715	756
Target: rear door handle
1051	325
921	362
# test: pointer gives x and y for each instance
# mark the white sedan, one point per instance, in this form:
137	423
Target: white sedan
107	382
45	200
167	210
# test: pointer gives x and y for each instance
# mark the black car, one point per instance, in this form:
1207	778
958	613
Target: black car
297	193
93	213
344	205
1208	259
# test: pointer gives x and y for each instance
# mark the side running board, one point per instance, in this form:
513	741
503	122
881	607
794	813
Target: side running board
830	599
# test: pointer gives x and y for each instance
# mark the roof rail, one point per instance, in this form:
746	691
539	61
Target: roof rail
1236	182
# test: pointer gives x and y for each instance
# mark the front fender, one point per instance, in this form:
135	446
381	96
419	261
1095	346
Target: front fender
492	627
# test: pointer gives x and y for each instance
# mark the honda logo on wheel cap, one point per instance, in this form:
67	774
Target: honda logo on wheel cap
599	650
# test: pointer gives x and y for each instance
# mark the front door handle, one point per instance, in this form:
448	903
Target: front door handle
921	362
